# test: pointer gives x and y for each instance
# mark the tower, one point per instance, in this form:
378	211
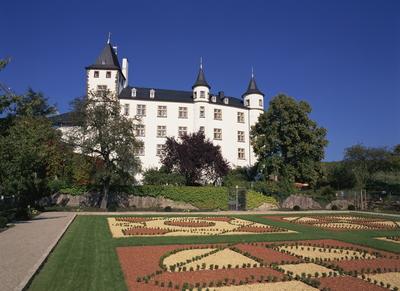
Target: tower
106	75
201	89
253	98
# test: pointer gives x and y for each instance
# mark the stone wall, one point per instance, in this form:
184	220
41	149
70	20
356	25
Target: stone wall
304	202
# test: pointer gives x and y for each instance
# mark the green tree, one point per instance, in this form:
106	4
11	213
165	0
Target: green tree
287	142
103	133
26	152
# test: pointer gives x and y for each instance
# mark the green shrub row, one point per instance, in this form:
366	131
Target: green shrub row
74	190
207	197
255	199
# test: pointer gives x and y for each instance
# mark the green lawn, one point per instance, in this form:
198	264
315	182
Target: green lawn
85	258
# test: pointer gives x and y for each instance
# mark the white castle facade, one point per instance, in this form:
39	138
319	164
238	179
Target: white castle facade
225	120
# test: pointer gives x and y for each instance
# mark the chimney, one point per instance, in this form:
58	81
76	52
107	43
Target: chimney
221	94
125	67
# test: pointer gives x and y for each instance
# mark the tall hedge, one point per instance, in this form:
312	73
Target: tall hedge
206	197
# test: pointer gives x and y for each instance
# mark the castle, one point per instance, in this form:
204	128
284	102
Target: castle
225	120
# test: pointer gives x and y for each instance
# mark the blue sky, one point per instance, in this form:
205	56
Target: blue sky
343	57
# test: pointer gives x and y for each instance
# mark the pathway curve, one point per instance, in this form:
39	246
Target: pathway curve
24	247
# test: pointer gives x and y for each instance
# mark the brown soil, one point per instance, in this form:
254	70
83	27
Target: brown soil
144	231
256	229
190	223
382	263
348	283
132	219
268	255
222	218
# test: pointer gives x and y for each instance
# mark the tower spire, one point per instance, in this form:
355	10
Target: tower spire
109	38
201	63
252	72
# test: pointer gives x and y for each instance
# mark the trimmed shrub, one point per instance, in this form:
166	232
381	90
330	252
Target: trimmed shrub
351	207
207	197
334	207
74	190
3	222
296	208
255	199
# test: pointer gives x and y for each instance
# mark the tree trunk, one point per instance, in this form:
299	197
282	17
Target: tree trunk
106	189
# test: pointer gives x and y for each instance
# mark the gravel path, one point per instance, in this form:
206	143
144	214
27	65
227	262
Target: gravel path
24	247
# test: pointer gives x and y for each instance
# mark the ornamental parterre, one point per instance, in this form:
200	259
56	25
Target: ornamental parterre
341	222
291	265
186	226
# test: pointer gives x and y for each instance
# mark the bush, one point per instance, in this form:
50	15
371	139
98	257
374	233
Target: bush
3	221
207	197
74	190
255	199
351	207
296	208
334	207
162	177
57	185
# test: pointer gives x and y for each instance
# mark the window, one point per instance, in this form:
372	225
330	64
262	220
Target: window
161	131
152	93
96	74
214	99
141	110
202	94
217	133
217	114
162	111
202	112
102	89
160	149
182	130
133	92
195	94
260	103
126	109
241	154
140	130
108	74
247	102
226	100
240	136
183	112
140	151
202	129
240	117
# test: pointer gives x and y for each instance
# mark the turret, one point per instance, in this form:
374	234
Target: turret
253	98
201	89
106	75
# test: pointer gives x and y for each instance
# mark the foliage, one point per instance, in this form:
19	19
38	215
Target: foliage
255	199
162	177
108	137
74	190
3	222
240	176
287	142
195	157
340	177
206	197
26	152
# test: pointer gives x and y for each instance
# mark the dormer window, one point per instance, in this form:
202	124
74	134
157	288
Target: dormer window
226	100
202	94
214	99
152	93
108	74
133	92
96	74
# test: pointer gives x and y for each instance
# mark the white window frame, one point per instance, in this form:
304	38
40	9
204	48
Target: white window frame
152	93
241	154
240	117
217	114
108	74
240	136
141	110
202	94
133	92
160	148
217	134
140	151
140	130
96	74
202	112
214	99
183	112
126	109
161	131
162	111
260	102
182	130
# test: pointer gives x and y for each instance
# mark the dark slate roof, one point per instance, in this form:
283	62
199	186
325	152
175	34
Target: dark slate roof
107	59
63	119
252	88
201	80
174	96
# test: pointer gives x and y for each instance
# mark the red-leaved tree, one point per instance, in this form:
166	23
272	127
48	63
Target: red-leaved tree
194	157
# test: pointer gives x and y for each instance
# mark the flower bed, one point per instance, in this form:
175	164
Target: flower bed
341	222
256	266
186	226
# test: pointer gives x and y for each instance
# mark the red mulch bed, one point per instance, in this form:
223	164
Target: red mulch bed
132	219
256	229
348	283
223	218
372	264
190	223
268	255
144	231
217	275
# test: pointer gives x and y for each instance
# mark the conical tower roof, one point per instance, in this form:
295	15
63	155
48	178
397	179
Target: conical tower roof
107	59
201	79
252	88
